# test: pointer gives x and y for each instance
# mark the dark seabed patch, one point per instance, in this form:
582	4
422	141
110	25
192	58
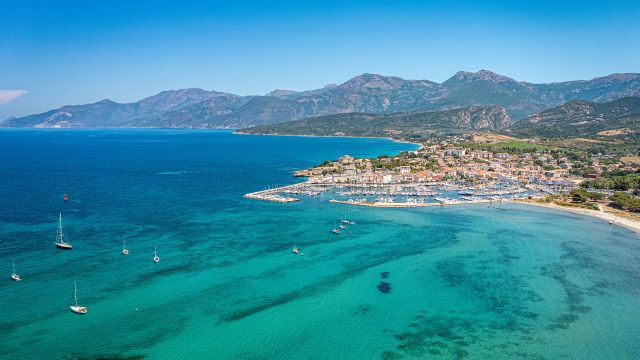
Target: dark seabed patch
384	287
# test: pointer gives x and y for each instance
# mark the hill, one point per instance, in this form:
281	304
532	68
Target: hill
580	118
403	125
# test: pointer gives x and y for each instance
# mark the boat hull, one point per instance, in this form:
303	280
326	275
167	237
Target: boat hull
64	246
78	309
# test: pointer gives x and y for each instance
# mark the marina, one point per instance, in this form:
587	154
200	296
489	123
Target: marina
401	195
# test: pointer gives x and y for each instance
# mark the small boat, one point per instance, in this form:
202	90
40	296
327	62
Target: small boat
156	259
125	251
295	250
342	227
60	240
610	222
74	307
14	275
301	254
335	230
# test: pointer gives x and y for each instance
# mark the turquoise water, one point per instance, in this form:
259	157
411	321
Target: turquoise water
466	282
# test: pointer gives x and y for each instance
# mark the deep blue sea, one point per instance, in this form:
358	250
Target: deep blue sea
464	282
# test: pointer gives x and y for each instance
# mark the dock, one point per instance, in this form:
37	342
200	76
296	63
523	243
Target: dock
273	194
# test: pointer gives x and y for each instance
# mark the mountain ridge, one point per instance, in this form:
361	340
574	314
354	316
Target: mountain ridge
368	93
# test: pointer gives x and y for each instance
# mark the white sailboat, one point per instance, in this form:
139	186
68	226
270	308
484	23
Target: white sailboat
156	259
335	230
347	221
14	275
60	240
125	251
74	307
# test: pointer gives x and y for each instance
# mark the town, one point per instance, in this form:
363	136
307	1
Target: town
458	170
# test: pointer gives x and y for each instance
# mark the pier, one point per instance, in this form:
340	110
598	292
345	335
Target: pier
276	194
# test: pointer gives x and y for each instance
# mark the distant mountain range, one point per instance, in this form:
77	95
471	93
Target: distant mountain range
367	93
413	125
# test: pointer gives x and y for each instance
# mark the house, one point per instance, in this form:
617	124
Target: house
455	152
345	160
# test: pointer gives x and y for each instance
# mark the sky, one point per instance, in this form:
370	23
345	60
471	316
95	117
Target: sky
54	53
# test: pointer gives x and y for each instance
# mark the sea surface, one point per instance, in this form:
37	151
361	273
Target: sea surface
458	282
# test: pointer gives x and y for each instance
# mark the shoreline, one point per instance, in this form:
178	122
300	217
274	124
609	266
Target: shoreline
632	225
420	146
629	224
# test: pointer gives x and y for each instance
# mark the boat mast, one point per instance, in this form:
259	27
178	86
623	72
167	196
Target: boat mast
75	293
59	233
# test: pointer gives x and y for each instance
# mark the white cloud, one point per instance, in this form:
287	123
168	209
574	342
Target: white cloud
7	96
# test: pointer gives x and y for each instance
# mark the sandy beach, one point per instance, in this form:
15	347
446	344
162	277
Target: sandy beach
606	216
603	215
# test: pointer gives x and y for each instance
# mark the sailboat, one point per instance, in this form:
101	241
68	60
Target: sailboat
335	230
156	259
74	307
14	275
60	241
125	251
347	221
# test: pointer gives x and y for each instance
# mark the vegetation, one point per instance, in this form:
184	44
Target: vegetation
625	201
580	195
579	118
411	125
615	180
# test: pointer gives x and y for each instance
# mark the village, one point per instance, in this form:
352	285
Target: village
449	172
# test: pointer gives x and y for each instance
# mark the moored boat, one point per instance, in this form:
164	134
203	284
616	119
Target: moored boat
15	275
75	307
156	259
61	242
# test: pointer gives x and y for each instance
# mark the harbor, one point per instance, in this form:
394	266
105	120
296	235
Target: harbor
400	195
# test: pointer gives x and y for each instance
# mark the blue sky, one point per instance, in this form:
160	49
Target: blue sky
71	52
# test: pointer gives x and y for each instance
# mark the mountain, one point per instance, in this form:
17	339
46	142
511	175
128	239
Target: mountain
107	113
366	93
579	118
405	125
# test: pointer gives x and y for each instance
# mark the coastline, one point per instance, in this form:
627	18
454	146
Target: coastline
420	146
632	225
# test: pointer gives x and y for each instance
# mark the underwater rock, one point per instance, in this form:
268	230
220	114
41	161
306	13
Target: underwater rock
384	275
384	287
